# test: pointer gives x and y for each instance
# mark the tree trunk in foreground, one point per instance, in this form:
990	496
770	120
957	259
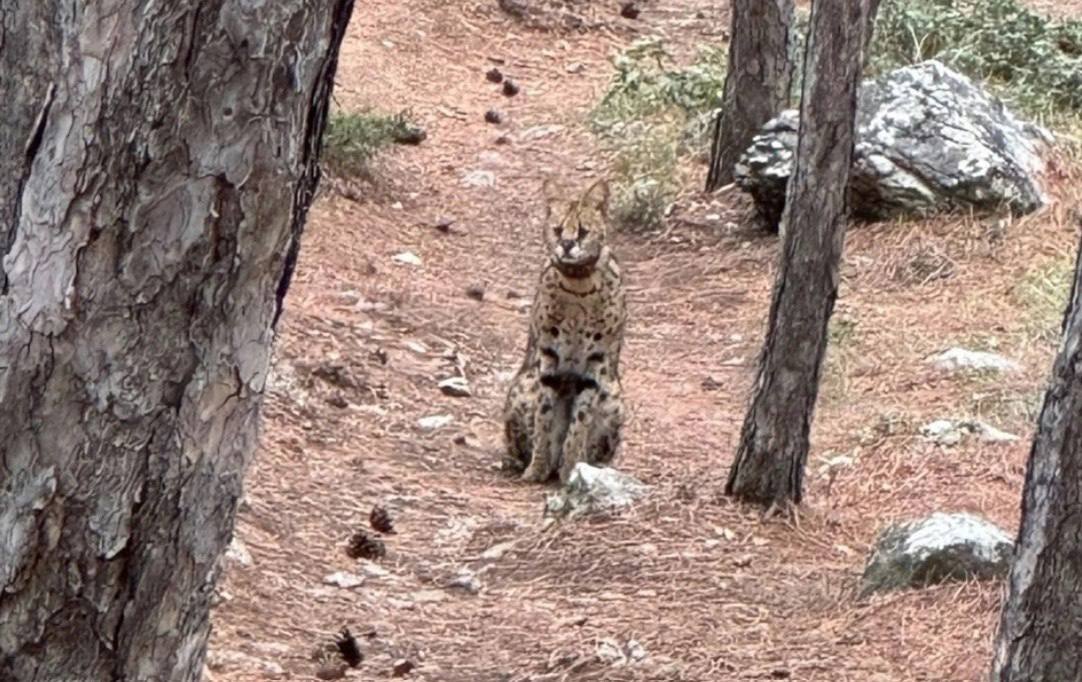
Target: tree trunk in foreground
757	83
1041	625
157	161
769	465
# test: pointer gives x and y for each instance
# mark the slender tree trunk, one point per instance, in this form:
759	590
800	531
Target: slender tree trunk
1041	625
157	160
769	465
757	82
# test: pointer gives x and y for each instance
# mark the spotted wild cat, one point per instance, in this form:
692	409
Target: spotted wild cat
565	404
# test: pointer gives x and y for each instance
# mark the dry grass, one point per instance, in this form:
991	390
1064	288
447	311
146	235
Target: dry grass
708	590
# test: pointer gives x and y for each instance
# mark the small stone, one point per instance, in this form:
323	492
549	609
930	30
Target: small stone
479	178
609	651
576	67
402	667
635	651
466	580
496	552
947	432
725	533
331	672
591	489
435	422
476	292
493	116
397	206
503	139
239	553
444	224
628	10
743	561
494	75
955	359
936	549
220	596
510	88
407	258
456	387
344	580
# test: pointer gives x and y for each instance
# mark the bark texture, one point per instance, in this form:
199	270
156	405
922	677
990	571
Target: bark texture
769	465
157	160
757	83
1041	625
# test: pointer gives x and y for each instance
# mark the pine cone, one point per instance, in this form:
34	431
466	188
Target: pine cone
349	649
364	546
381	521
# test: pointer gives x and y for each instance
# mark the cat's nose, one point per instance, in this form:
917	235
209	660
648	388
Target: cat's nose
567	245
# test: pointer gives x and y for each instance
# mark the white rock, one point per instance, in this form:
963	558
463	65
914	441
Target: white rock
479	178
437	421
954	359
456	386
407	258
496	552
936	549
466	580
928	139
344	580
592	489
948	432
238	553
942	431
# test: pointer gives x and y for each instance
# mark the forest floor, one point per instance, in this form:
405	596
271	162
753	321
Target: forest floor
707	589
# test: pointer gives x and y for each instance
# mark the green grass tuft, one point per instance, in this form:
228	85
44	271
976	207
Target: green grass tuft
653	114
352	140
1043	293
1033	62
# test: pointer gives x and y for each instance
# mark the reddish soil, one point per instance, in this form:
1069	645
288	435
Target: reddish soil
709	590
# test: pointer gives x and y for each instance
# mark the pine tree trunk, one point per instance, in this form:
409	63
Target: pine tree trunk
1041	625
757	83
157	161
769	465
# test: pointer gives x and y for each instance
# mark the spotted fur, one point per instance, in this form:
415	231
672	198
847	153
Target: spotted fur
565	404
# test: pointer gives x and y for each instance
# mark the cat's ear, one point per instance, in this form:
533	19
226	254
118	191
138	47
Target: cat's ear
597	197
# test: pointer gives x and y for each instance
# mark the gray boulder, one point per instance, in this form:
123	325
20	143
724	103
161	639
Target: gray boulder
591	490
928	140
937	549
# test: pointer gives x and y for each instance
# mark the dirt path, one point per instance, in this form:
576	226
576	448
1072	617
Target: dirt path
708	591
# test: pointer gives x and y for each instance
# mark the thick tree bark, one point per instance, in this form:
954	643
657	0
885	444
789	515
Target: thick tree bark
157	160
769	465
1041	625
757	83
